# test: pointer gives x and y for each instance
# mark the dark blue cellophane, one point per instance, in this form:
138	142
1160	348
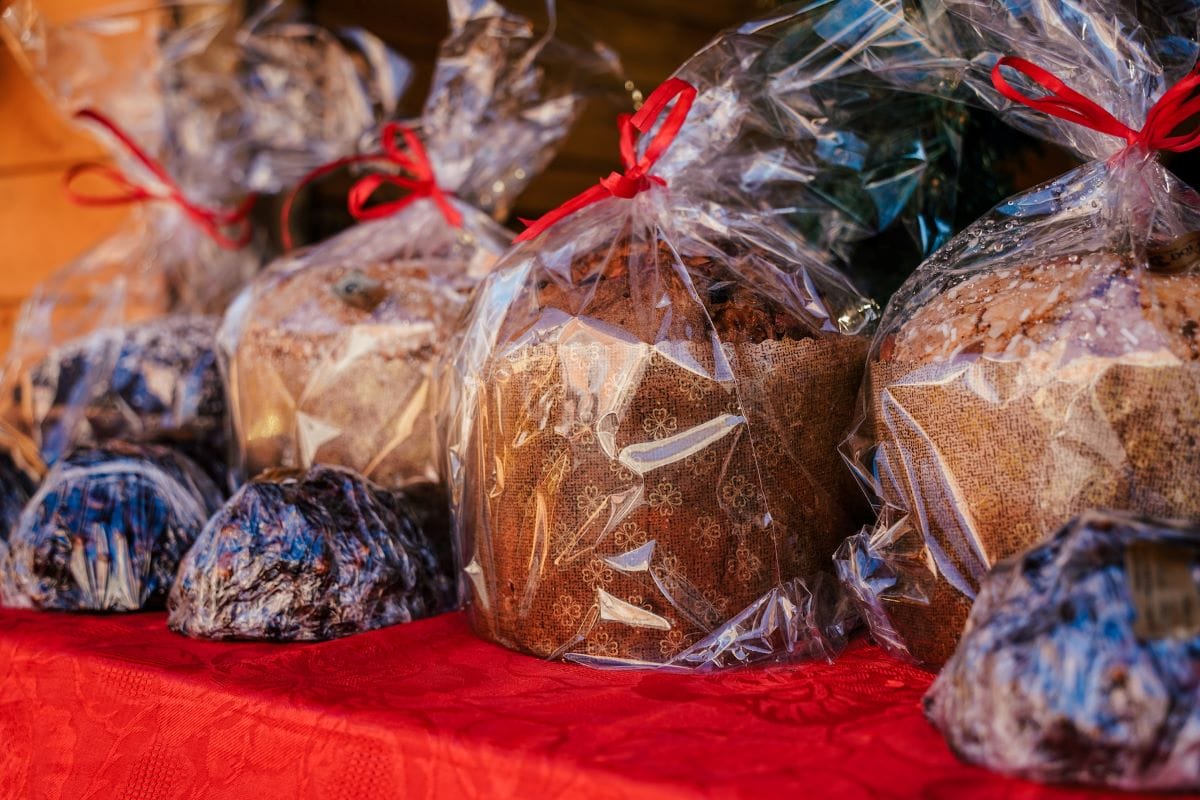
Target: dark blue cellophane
1056	679
106	530
314	555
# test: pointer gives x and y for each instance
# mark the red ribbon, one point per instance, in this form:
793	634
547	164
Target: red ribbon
211	220
418	180
1175	107
636	178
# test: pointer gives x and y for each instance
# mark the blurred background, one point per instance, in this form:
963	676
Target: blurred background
41	229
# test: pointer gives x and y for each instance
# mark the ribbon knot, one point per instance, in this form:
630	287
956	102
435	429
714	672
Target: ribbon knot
211	219
636	177
401	147
1176	106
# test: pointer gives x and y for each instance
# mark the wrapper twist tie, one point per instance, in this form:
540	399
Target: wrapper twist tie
1176	106
212	220
416	177
636	178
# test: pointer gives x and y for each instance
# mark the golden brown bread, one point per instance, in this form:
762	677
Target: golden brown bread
334	364
1019	398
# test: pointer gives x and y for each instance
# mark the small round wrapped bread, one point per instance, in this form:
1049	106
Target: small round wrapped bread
1007	404
653	450
1081	662
331	363
106	530
149	381
311	556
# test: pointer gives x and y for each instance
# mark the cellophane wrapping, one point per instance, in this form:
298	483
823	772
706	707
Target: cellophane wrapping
106	530
1081	660
1047	359
312	556
330	352
215	105
645	401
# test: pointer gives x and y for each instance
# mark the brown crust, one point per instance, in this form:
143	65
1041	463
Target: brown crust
601	288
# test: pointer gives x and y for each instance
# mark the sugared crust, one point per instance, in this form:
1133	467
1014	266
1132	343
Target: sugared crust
1098	300
601	288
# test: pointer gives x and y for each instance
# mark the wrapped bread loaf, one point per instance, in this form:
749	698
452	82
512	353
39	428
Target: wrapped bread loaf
152	381
1081	662
630	496
333	365
1017	399
1046	360
330	351
311	556
107	529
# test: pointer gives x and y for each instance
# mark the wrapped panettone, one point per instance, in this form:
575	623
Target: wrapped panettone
311	556
643	407
643	422
156	380
1081	661
106	530
330	352
1021	397
631	495
336	369
1045	361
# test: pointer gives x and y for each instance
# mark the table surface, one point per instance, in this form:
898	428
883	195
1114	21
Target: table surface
118	706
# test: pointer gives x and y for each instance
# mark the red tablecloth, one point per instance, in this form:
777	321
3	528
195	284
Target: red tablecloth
119	707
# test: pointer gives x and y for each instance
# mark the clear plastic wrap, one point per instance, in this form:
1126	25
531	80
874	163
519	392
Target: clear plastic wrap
106	530
197	113
1081	660
645	402
311	556
330	352
1047	359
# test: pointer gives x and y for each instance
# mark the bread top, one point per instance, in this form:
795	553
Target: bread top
325	299
1099	303
651	292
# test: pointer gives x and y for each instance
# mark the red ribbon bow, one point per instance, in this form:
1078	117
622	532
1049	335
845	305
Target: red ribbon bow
1176	106
211	220
636	178
418	179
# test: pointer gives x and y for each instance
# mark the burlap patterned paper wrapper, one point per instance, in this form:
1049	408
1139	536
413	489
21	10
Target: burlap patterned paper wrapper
626	506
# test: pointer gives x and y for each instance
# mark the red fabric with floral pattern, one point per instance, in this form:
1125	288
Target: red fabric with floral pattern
119	707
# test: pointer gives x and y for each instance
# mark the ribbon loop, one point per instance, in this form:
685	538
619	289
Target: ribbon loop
1178	105
636	178
211	219
400	146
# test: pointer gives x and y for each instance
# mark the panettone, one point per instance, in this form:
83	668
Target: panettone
106	530
333	366
654	448
1013	401
311	556
1081	662
151	381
